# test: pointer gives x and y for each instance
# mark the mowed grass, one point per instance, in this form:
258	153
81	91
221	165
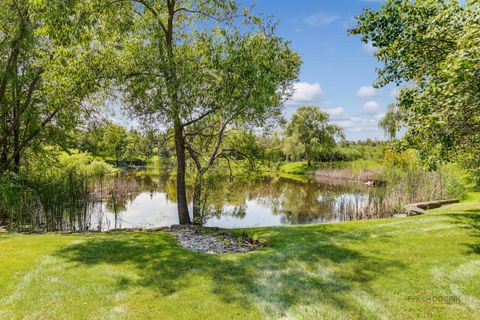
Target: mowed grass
379	269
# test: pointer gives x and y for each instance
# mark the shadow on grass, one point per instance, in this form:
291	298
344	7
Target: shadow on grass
301	266
470	220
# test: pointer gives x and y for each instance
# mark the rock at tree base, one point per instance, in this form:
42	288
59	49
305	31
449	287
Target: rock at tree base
190	238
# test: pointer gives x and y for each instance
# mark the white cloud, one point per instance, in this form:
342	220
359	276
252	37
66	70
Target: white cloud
304	92
371	107
335	112
379	116
355	123
366	92
320	19
361	127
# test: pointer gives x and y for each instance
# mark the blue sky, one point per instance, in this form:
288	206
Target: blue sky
338	69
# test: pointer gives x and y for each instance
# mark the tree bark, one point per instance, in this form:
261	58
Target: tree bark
197	201
17	154
4	157
183	216
171	79
16	131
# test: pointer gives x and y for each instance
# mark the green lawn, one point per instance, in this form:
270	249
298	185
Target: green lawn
365	270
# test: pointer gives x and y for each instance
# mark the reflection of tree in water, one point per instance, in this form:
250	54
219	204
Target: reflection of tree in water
296	201
222	198
119	190
229	198
306	203
156	180
300	202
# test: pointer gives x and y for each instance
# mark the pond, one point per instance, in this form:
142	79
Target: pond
146	199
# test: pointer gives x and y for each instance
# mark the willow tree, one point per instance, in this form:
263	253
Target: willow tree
198	67
50	62
309	133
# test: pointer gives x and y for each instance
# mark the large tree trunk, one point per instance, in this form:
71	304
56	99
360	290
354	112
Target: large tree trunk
183	216
16	138
16	145
4	156
197	201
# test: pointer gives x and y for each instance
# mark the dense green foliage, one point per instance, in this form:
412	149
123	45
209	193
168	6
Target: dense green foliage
353	270
432	49
52	60
117	144
197	68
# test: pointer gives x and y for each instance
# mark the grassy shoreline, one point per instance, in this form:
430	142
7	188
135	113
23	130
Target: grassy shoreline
385	269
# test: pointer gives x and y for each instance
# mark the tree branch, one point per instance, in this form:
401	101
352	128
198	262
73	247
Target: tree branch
194	156
209	112
27	140
204	14
154	12
26	103
224	154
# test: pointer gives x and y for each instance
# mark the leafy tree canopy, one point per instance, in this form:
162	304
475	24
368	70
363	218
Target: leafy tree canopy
432	49
52	58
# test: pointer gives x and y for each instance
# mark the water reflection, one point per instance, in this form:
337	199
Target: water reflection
146	199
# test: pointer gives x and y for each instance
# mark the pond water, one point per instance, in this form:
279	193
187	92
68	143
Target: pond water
146	199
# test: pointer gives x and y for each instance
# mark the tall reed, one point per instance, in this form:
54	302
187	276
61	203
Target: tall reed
406	185
50	199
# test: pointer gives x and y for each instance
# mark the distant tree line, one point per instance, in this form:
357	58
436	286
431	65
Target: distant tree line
117	144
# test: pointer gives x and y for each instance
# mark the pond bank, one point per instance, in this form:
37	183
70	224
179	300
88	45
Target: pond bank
414	209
